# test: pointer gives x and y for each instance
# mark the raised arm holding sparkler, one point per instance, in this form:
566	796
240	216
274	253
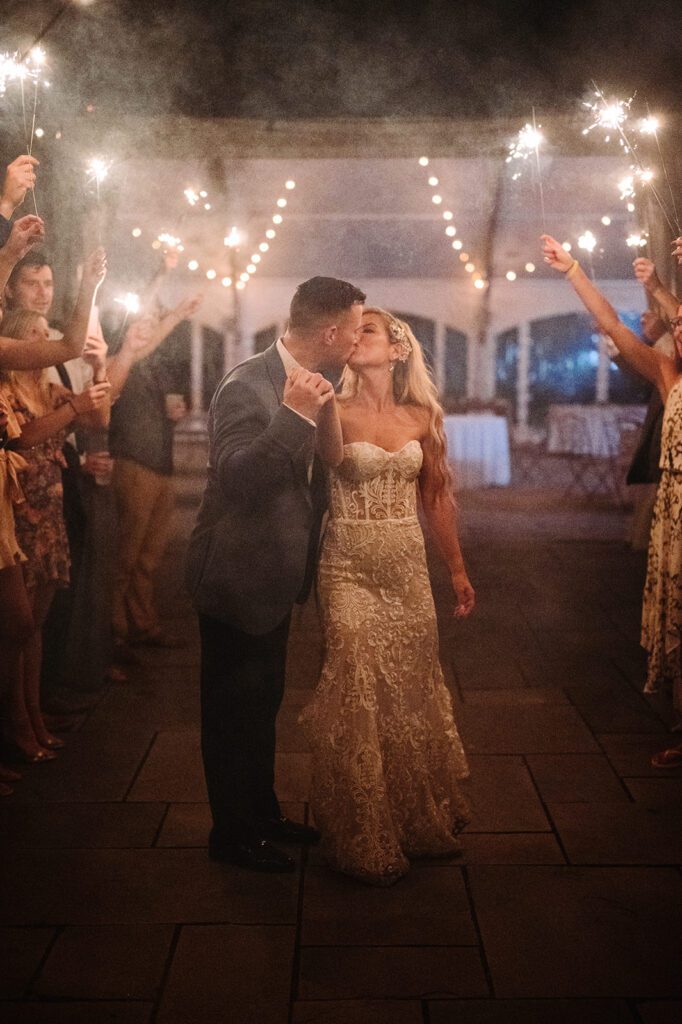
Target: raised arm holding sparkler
660	369
143	337
645	272
19	178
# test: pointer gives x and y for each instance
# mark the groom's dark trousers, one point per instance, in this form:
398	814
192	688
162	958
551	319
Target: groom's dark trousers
242	684
252	556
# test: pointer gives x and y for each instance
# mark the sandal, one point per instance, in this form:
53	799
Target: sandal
670	758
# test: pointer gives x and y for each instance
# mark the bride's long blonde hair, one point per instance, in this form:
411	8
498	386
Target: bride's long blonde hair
412	385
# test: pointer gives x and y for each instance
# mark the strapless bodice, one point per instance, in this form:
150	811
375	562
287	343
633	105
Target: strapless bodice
375	485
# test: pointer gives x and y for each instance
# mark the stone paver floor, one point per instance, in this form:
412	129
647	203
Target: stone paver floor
564	909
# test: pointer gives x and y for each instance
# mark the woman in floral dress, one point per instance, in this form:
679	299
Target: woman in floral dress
45	413
662	606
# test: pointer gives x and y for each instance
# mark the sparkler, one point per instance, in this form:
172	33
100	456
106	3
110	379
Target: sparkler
19	68
97	170
649	126
527	143
636	240
587	242
131	303
612	117
170	241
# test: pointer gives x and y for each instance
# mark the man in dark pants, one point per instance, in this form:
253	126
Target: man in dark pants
252	556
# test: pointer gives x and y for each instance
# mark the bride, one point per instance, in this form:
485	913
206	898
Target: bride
386	752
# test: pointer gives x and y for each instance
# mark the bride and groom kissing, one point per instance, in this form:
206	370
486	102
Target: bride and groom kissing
288	443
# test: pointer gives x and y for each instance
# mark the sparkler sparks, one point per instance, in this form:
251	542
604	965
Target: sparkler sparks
170	241
649	125
97	170
130	302
587	241
636	240
609	116
526	144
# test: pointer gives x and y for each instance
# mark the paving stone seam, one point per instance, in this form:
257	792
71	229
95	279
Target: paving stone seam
296	959
160	830
43	960
553	829
487	973
387	945
161	991
596	739
139	768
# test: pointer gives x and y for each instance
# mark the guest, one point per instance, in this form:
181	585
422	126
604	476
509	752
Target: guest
662	606
16	621
141	443
43	412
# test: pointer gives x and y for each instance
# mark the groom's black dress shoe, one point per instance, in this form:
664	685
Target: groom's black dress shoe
283	830
257	856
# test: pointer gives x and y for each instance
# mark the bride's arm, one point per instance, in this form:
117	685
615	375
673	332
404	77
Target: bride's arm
330	435
441	515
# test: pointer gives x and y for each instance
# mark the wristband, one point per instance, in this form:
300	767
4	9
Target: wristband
572	269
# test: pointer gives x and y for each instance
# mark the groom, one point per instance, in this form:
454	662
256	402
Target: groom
252	557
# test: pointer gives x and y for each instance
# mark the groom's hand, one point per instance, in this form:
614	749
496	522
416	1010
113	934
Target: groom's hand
307	392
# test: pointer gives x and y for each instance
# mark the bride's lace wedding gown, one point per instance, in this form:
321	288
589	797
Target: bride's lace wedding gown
386	751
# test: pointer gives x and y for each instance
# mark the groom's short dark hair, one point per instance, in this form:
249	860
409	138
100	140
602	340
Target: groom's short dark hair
320	298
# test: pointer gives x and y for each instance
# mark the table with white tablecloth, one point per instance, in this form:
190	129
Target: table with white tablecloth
588	429
478	448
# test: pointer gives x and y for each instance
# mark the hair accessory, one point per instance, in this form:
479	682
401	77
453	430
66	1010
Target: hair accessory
404	345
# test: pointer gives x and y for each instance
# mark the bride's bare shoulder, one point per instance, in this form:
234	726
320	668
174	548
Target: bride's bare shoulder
420	416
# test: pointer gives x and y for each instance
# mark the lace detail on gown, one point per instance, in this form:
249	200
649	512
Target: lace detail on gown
386	751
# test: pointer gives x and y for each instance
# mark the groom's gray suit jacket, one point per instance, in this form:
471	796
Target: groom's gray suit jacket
253	549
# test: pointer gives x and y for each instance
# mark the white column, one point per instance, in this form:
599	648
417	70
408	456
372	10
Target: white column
602	388
439	356
196	368
522	388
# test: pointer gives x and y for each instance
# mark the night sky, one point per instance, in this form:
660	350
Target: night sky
327	58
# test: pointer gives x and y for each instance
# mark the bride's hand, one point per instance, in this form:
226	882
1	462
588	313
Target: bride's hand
466	597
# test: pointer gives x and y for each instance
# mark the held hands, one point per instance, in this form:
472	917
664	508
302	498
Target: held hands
466	597
94	269
91	399
555	254
645	272
306	393
20	177
26	232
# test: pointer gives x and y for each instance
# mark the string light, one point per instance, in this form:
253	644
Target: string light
606	221
450	230
510	275
530	268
